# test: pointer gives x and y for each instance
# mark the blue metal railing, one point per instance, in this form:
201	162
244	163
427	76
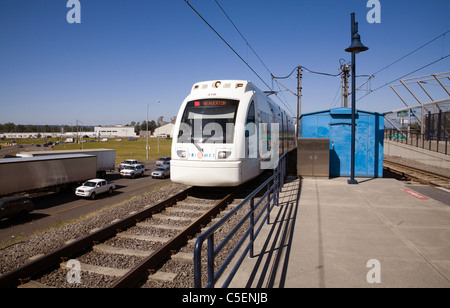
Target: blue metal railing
271	188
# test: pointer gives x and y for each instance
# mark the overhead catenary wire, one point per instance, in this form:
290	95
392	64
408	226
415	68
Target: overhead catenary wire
412	52
235	52
307	69
242	36
259	58
406	75
225	41
402	58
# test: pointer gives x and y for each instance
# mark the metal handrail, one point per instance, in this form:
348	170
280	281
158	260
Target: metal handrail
427	141
273	186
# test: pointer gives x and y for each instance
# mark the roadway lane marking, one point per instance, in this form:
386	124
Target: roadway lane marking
90	202
71	208
154	183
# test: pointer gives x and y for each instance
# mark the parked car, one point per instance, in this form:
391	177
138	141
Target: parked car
132	171
163	161
94	187
127	163
161	172
15	206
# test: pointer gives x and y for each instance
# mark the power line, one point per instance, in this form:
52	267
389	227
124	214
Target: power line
242	36
229	46
307	69
235	52
415	50
259	58
405	56
406	75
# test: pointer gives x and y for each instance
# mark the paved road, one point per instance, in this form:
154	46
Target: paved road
56	208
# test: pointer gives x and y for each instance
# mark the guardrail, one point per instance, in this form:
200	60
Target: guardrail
271	188
423	141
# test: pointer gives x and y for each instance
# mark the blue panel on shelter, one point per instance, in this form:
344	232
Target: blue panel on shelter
336	125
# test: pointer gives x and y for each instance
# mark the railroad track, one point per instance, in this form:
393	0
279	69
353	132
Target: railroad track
130	251
417	175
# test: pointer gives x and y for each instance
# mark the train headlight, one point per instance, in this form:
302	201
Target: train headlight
182	153
223	154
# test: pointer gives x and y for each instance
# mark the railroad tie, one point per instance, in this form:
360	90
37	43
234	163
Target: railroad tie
163	276
122	251
34	285
102	270
165	227
162	216
146	238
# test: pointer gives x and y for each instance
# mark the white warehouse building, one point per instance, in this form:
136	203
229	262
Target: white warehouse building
115	131
164	131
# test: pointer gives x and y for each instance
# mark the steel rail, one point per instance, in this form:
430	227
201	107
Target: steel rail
44	263
418	175
141	271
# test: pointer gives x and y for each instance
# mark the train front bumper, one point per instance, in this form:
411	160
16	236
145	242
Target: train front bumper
206	173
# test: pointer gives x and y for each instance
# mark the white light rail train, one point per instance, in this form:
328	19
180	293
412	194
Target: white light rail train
226	133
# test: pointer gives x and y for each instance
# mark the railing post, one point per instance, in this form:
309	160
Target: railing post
423	141
198	266
271	188
211	281
446	142
252	225
278	188
268	203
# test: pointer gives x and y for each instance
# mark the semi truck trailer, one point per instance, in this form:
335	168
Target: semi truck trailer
36	174
106	158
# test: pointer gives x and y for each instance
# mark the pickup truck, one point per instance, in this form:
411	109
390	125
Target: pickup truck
128	163
94	187
132	171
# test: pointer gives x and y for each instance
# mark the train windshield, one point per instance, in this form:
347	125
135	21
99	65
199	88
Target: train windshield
208	121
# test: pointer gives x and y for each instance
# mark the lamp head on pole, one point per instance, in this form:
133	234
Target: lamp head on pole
356	46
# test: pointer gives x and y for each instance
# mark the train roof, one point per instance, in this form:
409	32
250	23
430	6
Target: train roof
217	85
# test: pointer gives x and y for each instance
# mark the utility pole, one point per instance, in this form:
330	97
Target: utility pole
299	98
344	82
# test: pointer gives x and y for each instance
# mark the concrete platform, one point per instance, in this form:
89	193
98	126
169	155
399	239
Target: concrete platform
326	234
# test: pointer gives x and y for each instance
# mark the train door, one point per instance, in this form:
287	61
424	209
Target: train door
251	140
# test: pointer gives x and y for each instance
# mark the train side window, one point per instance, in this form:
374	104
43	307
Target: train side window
251	119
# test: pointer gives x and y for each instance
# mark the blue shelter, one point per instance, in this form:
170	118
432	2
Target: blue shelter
335	124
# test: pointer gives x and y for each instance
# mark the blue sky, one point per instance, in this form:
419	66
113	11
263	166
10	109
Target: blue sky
126	54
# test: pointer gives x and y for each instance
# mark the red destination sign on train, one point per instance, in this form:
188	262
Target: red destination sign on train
210	103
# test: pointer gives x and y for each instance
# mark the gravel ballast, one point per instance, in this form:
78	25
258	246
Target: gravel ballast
19	254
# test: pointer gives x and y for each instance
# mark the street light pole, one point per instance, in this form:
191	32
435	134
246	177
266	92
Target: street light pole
355	47
157	101
353	140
